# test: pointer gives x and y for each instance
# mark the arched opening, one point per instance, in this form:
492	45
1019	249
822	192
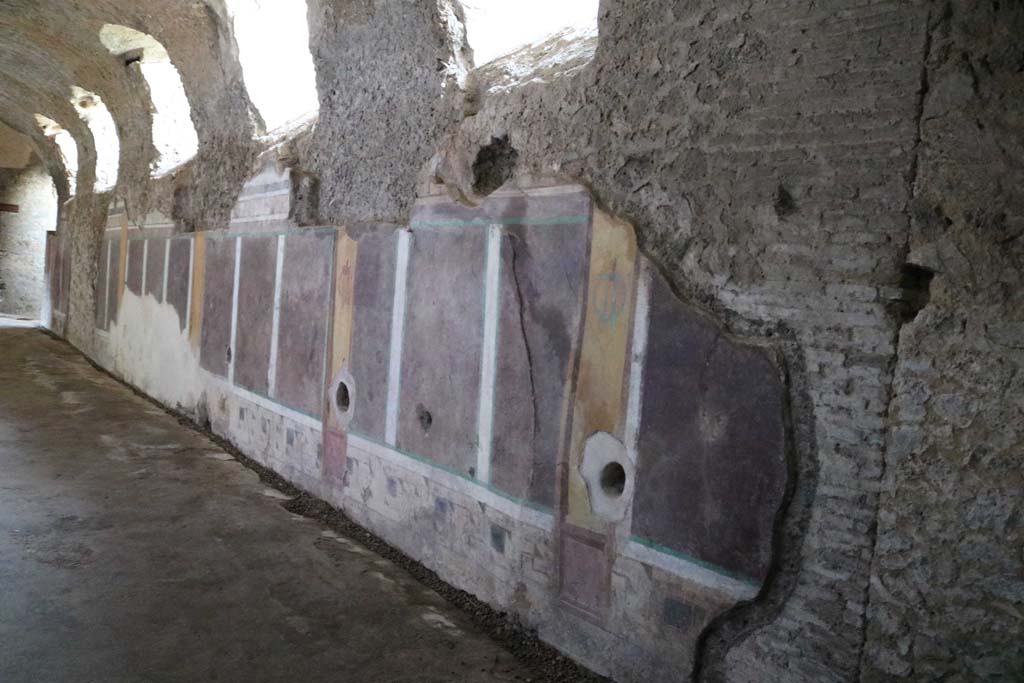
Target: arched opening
94	113
67	146
28	209
273	49
496	28
174	134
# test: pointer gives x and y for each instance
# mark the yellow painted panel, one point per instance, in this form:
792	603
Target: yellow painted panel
195	314
344	302
601	384
340	348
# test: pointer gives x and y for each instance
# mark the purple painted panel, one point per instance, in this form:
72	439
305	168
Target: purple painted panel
585	571
712	469
100	293
178	275
543	278
112	278
335	455
371	336
257	270
155	257
136	253
302	332
440	386
218	290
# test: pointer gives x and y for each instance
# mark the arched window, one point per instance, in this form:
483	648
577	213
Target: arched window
174	135
94	113
67	146
496	28
273	49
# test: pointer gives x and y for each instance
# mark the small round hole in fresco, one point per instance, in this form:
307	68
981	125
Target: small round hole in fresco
343	398
425	418
613	479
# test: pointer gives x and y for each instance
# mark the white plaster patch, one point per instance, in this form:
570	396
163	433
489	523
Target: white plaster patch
153	353
609	475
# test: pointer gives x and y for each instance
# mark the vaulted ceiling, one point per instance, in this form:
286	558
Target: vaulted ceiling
47	47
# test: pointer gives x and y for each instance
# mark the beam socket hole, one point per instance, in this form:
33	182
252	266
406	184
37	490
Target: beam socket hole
342	398
613	480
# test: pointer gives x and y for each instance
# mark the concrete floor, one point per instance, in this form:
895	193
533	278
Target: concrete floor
132	548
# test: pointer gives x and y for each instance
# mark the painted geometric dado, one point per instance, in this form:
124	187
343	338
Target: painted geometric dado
510	393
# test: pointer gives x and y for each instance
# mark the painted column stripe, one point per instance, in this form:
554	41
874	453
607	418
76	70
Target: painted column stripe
106	289
145	263
637	358
276	321
167	264
198	286
397	336
234	309
488	361
188	297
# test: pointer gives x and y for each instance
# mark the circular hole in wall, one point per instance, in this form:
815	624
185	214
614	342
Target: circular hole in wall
425	418
613	480
343	398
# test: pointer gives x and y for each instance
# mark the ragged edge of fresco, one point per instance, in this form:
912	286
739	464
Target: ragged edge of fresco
577	571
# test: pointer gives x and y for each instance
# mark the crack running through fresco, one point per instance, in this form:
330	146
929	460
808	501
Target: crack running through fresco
526	341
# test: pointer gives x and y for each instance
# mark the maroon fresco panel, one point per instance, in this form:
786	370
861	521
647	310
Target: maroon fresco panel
440	382
302	331
178	275
100	297
218	289
711	469
155	255
371	331
136	254
257	270
542	282
112	275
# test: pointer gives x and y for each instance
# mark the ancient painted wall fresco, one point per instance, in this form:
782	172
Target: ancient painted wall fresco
218	305
305	293
161	269
510	393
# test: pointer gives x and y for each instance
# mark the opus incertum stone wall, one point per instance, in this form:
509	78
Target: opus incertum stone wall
510	393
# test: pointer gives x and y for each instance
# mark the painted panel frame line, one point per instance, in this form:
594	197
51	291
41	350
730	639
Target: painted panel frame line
145	263
106	289
403	246
234	310
275	323
638	356
489	354
699	573
167	267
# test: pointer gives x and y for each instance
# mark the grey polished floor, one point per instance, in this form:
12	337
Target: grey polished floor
133	549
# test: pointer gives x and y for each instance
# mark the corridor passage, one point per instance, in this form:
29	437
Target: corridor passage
132	548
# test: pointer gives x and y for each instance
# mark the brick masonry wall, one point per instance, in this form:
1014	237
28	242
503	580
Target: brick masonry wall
947	589
23	238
